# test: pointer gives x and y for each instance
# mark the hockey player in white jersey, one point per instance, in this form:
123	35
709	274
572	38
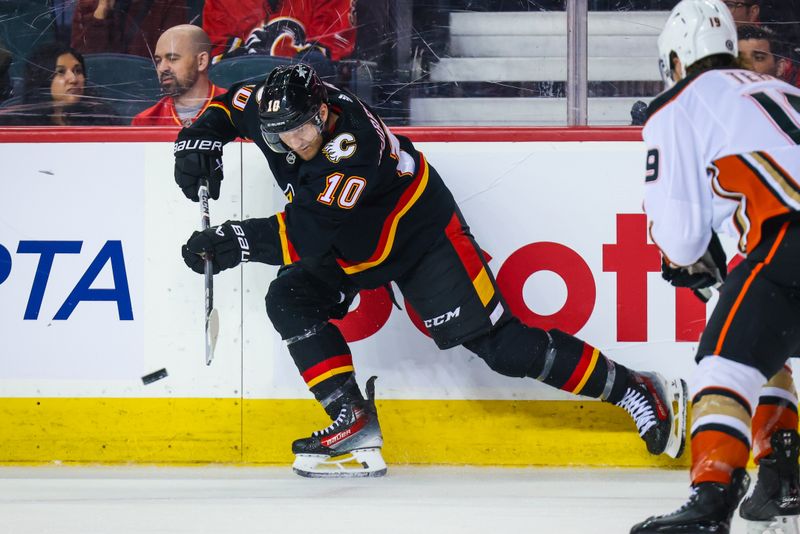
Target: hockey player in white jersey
723	156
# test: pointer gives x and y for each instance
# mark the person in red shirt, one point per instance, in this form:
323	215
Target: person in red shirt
280	27
182	58
124	26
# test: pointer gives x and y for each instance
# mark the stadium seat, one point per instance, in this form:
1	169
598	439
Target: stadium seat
128	83
10	102
25	25
17	85
245	68
256	67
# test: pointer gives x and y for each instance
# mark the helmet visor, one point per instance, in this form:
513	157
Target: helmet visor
273	138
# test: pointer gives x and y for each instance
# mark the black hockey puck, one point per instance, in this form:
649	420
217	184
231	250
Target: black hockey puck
152	377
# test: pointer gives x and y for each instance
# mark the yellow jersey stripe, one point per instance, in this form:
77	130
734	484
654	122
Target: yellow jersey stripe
588	373
223	108
483	286
287	259
357	268
326	375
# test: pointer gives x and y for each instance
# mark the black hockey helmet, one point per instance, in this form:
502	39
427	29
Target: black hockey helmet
291	96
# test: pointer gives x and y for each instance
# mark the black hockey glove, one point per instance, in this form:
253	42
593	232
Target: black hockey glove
347	295
325	277
196	159
711	269
226	245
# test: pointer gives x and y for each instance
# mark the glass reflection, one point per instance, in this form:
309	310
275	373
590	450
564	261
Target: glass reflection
417	62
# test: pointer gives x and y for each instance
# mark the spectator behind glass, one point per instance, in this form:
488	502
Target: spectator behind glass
759	51
744	12
285	28
55	92
182	59
124	26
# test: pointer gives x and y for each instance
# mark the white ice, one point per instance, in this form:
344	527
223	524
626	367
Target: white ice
245	500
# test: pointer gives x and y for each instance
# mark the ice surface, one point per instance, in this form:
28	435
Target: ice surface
243	500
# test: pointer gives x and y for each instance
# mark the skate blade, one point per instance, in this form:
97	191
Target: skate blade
357	463
785	524
678	396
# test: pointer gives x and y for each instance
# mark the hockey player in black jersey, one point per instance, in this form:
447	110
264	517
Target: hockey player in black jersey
365	208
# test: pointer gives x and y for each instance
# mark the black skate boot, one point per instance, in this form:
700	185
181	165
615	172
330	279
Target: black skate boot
775	502
708	510
349	447
658	407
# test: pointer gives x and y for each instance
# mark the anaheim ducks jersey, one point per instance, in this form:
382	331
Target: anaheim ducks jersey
368	197
722	154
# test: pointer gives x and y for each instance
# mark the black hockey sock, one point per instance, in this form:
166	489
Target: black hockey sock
326	365
576	367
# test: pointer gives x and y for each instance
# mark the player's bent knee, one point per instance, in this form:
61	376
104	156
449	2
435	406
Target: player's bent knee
284	311
719	374
511	349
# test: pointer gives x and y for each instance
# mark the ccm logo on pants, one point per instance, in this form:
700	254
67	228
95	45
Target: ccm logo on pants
441	319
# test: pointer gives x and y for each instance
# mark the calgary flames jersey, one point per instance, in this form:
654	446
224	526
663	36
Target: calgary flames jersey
722	154
368	198
327	22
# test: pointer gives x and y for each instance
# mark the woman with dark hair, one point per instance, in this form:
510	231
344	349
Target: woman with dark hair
55	92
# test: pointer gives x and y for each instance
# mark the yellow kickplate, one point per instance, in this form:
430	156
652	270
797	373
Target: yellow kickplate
256	431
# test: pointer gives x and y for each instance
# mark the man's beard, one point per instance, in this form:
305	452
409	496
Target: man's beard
178	87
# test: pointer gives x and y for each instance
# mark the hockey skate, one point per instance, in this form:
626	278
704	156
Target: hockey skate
658	407
709	509
349	447
774	505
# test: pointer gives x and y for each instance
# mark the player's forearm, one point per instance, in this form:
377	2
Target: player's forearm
265	240
91	33
215	124
103	9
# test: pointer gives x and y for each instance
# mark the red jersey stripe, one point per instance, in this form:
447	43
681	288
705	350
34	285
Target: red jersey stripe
287	248
324	366
580	370
386	241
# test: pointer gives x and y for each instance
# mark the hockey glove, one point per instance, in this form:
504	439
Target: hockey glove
196	159
226	245
710	270
347	295
330	274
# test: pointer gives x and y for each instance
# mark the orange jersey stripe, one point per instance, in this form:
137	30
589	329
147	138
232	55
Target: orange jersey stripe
757	201
386	241
728	320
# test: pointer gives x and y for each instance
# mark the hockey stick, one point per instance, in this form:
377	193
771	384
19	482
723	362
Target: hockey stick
705	293
212	317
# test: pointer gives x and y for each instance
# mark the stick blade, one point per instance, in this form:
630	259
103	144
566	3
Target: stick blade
212	331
